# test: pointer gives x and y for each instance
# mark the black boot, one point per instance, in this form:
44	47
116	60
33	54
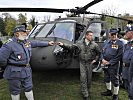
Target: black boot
115	97
107	93
85	98
130	98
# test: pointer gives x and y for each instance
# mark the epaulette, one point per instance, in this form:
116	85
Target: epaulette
27	44
8	41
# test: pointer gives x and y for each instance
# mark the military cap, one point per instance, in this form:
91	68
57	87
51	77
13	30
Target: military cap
20	28
113	30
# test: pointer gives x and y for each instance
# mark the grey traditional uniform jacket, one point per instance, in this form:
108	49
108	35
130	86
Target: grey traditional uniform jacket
14	55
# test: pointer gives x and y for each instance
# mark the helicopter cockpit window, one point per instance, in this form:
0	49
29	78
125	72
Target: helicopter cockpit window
36	30
78	31
45	29
63	30
98	30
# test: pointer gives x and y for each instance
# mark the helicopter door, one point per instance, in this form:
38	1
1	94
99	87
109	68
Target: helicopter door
98	29
78	31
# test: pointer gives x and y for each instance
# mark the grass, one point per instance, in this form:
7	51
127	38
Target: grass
61	85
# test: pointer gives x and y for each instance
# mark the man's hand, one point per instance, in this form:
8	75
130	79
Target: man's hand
51	43
105	62
60	43
93	61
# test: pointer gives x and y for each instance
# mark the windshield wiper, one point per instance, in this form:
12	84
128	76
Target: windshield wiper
51	30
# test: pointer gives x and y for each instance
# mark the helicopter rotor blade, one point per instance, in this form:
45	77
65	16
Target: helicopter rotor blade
110	16
54	10
33	10
83	9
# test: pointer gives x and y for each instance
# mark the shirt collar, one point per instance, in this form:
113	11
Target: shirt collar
87	42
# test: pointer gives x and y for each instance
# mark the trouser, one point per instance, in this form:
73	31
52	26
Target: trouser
131	90
126	84
125	77
15	85
131	81
120	68
111	75
85	78
1	72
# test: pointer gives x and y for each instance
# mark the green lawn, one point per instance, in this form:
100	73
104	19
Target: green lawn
61	85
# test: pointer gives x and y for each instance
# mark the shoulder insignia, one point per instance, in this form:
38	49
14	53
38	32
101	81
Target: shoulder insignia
8	41
27	44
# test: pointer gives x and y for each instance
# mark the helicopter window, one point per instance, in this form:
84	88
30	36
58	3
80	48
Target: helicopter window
98	31
44	31
78	31
63	30
36	30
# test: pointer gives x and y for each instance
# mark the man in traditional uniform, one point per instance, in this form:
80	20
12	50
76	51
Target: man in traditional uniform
15	56
127	58
1	69
111	55
131	76
128	62
88	54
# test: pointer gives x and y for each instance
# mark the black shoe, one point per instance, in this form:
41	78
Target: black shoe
85	98
130	98
107	93
115	97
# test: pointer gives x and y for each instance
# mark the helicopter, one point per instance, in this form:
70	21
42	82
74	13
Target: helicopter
67	30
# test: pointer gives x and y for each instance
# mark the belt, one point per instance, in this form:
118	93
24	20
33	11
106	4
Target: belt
19	65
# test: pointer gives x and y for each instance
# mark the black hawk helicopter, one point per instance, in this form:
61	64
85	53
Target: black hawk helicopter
67	30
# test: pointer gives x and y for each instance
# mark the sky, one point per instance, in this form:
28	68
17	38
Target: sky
119	6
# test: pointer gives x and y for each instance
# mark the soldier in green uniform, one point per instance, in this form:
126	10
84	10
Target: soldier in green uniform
89	54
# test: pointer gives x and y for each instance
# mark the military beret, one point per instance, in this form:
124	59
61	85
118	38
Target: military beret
113	30
129	28
20	28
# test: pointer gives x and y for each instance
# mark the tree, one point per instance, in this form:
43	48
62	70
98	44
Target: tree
22	18
10	23
111	21
124	23
32	21
2	27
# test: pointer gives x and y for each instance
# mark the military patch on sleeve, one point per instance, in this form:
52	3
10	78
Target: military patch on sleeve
8	41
